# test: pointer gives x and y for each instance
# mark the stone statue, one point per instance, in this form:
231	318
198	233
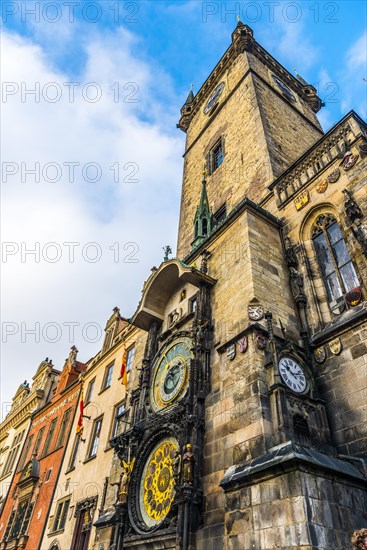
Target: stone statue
200	331
176	465
123	483
72	355
297	284
359	231
188	465
290	254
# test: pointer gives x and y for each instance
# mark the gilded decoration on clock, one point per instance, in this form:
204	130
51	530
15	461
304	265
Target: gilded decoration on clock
170	371
157	485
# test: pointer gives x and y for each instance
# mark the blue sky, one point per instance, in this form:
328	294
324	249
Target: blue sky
153	52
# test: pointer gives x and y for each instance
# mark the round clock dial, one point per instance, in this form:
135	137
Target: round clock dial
213	98
292	374
157	486
284	88
170	373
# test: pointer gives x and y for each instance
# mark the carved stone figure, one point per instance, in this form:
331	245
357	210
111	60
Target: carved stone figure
352	209
176	465
200	330
204	261
359	231
72	355
297	284
188	464
123	483
290	254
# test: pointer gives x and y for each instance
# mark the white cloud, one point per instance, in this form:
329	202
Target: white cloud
143	212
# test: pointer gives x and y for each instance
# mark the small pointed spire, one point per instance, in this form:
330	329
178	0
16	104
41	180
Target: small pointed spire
190	97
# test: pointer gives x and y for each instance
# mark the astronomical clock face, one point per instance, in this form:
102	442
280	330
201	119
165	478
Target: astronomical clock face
170	373
292	374
156	490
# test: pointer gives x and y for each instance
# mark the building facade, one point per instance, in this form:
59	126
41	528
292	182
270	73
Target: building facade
85	476
26	508
242	423
249	415
15	426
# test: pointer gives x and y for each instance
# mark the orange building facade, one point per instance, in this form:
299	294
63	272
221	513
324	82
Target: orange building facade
35	482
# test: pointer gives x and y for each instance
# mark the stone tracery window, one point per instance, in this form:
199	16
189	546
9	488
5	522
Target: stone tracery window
336	267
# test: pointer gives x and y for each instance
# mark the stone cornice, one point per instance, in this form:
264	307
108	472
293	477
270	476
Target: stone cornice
22	413
318	158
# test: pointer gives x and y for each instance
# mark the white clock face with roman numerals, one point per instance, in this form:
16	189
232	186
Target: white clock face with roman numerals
292	374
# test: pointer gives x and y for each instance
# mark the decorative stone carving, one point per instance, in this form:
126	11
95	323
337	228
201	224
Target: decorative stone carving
231	352
243	344
353	297
320	354
297	285
322	186
188	465
335	346
255	313
352	209
302	200
333	176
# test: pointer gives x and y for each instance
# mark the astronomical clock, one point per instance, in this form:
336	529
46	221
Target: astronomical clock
165	435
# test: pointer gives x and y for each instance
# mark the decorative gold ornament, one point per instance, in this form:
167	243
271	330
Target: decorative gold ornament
322	186
320	354
335	346
301	200
157	489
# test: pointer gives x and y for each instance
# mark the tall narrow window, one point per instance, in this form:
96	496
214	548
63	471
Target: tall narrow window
336	267
120	414
38	441
63	428
94	442
24	454
13	453
107	377
61	515
74	452
51	431
90	389
217	155
129	358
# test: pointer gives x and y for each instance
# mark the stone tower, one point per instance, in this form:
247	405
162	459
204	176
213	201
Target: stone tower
254	114
247	412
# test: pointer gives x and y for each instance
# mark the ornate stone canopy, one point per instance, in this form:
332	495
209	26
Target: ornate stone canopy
159	288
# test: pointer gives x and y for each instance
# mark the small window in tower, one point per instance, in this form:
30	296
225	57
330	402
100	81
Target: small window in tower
217	155
205	226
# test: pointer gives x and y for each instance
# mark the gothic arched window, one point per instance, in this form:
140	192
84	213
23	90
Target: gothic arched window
205	226
336	267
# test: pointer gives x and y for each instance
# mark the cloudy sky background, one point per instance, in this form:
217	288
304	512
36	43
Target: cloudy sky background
153	50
